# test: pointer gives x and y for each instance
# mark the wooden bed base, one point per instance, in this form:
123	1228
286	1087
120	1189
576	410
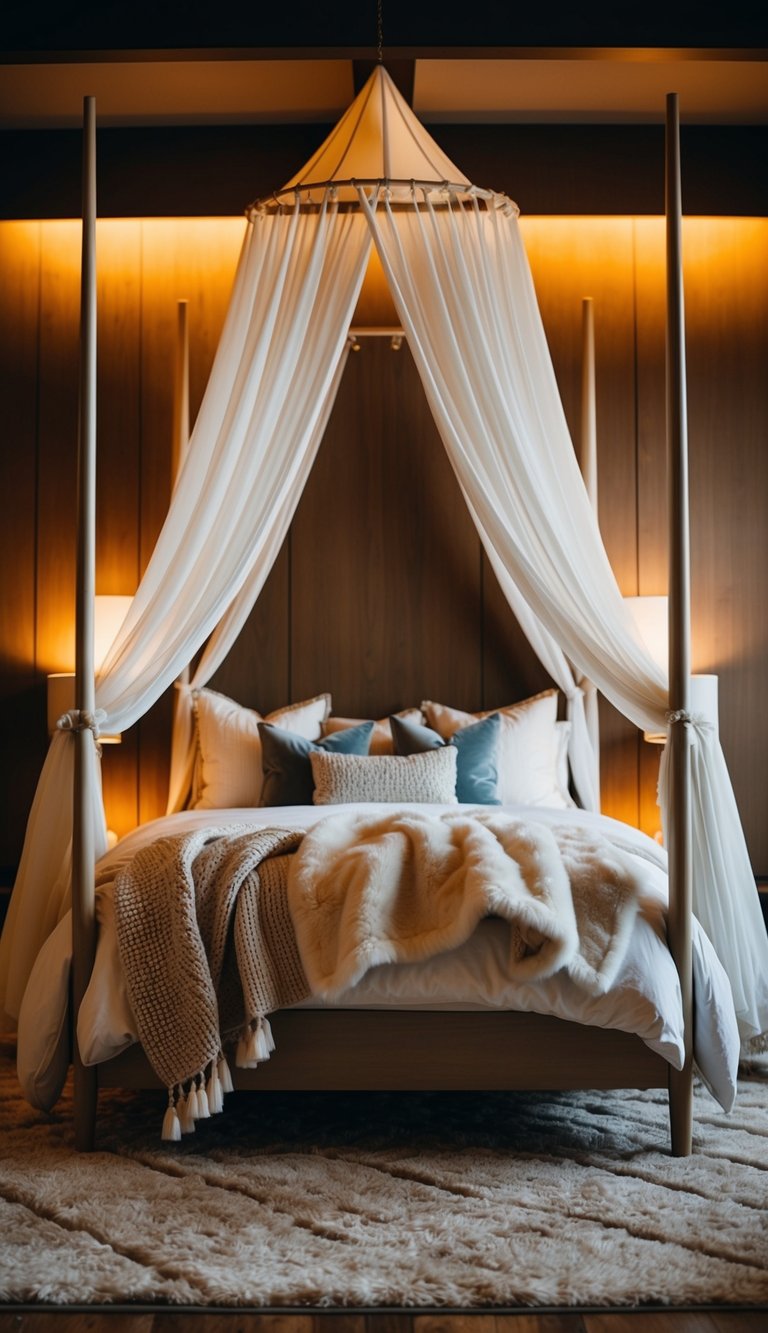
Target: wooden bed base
397	1050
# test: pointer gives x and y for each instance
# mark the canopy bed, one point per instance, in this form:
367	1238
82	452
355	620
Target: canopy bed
458	277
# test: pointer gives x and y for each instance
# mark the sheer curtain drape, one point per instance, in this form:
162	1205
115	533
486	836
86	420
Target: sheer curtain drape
229	627
295	290
462	287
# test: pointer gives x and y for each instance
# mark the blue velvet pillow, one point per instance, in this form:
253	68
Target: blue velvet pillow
285	760
477	775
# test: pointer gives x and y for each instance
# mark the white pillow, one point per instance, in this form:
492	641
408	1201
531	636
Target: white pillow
528	747
381	736
562	767
429	778
228	771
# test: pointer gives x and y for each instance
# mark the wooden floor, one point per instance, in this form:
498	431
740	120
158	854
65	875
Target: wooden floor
163	1321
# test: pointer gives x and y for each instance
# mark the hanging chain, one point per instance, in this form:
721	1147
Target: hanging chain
379	33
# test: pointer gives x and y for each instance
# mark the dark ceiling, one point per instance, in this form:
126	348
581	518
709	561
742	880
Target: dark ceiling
352	24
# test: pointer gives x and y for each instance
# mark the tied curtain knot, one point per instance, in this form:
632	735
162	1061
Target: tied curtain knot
80	719
702	725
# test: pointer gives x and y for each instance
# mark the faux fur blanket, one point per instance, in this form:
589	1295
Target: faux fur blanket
404	886
220	927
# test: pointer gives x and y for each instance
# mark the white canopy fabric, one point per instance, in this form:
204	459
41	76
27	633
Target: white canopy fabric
460	281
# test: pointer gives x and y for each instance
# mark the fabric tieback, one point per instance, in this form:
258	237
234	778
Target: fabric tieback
701	724
80	719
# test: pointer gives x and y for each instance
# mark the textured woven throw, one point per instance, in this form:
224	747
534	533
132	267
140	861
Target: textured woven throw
208	950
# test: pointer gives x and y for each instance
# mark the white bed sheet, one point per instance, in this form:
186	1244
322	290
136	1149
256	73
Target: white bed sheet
645	999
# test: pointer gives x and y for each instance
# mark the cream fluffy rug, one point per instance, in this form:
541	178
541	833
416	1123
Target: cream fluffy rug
409	1200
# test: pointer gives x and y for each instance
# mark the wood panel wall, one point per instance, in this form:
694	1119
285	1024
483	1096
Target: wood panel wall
381	593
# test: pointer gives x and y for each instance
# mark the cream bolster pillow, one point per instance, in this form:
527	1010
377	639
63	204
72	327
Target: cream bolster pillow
428	778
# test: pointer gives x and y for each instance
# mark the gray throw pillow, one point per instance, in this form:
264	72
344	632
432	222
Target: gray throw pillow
285	760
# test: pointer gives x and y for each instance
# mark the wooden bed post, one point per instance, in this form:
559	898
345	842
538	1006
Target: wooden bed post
180	391
679	806
83	845
588	466
588	442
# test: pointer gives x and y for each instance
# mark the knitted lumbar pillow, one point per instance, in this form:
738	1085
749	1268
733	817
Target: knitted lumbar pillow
428	779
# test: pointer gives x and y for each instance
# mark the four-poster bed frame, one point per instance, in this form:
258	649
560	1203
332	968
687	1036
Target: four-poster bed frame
394	1049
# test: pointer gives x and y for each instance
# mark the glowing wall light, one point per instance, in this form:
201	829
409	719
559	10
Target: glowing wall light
110	612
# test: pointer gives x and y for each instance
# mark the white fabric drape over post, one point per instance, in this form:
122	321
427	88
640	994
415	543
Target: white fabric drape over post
462	287
295	291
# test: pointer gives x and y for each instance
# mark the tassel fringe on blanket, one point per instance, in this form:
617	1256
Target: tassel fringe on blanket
204	1097
199	1100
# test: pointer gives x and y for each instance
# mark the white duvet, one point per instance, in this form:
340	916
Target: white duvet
645	998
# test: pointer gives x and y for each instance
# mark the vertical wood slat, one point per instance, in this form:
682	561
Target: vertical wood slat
726	299
21	690
180	430
587	442
83	832
20	267
679	809
57	447
587	451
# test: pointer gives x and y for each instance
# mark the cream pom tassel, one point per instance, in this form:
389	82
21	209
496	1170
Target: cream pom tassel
213	1091
203	1110
225	1076
186	1116
258	1046
171	1132
192	1108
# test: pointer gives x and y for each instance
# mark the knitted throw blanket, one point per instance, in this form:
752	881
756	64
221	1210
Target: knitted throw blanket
208	950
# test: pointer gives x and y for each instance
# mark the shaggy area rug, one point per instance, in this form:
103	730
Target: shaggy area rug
389	1200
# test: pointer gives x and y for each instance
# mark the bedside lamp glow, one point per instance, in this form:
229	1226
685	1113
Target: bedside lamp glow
650	615
110	612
